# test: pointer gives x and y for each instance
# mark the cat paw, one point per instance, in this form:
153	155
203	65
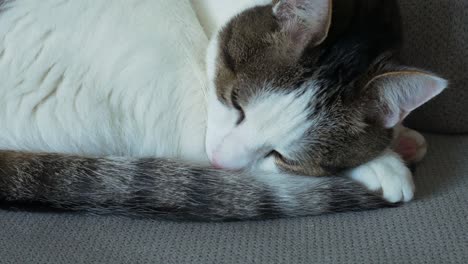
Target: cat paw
410	145
387	174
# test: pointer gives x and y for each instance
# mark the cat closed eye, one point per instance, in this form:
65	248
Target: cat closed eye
276	155
241	116
239	109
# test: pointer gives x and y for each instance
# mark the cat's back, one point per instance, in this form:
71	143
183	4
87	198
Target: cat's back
100	77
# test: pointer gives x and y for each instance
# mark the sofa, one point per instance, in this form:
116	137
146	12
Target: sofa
431	229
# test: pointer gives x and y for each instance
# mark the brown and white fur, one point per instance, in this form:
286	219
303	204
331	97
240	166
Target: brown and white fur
298	112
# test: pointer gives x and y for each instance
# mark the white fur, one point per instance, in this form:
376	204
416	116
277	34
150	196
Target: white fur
389	174
214	14
211	61
221	121
98	77
273	121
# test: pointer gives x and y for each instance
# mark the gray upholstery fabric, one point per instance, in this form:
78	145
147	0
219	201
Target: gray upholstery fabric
436	38
432	229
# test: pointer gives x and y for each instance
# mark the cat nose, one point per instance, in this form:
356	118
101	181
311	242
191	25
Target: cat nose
216	164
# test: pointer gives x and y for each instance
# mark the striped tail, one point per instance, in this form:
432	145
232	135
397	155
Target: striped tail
162	188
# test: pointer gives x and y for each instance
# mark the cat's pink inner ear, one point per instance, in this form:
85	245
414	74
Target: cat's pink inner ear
305	21
402	92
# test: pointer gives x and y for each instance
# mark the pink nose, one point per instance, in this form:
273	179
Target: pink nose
215	163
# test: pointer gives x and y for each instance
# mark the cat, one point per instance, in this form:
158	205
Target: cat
296	108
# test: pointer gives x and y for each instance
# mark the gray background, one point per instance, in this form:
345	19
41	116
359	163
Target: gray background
436	38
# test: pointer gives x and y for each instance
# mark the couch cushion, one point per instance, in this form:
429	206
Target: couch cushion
436	38
432	229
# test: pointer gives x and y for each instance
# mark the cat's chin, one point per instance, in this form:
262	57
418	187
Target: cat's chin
267	165
264	165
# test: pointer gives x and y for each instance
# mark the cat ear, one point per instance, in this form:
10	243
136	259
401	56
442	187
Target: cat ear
304	21
399	93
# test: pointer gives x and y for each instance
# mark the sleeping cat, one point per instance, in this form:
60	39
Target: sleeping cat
293	88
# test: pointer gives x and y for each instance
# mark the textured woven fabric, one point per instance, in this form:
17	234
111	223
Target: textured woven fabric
432	229
436	38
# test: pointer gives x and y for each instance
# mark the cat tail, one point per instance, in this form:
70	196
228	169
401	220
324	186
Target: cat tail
168	189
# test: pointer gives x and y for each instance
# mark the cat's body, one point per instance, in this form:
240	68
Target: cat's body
127	78
93	79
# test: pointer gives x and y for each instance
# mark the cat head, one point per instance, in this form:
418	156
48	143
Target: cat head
284	98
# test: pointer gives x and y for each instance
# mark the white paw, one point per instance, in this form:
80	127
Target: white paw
389	174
